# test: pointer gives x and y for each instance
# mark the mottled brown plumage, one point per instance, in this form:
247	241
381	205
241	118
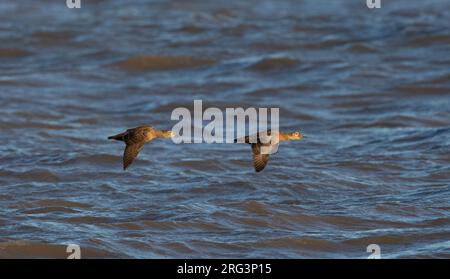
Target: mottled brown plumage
135	138
269	141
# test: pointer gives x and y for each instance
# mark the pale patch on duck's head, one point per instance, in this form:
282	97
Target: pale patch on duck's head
169	134
295	136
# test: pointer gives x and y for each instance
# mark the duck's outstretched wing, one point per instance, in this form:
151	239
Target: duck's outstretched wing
259	160
130	153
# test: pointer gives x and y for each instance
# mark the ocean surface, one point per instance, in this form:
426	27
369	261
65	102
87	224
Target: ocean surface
370	89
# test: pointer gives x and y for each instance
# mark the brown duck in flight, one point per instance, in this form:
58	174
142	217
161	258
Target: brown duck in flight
265	143
135	138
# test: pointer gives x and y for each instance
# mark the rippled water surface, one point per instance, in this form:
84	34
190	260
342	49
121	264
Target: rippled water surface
369	88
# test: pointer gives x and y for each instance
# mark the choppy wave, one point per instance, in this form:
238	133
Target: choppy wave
13	53
160	63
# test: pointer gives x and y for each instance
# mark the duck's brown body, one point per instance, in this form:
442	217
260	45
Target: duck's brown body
135	138
269	141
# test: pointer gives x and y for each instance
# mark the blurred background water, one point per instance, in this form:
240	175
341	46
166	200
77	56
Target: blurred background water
370	89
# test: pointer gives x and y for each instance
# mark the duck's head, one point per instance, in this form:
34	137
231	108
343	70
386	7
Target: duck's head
295	136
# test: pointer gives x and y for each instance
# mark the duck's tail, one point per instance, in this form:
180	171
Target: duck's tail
117	137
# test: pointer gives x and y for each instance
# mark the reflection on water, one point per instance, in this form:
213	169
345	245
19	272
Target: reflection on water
369	88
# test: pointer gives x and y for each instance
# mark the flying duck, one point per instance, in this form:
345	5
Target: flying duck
135	138
265	143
